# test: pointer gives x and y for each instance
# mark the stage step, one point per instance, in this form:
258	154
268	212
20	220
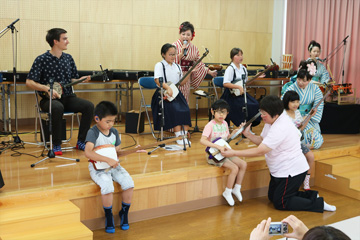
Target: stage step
59	220
341	174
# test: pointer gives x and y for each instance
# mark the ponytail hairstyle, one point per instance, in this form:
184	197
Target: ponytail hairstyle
187	26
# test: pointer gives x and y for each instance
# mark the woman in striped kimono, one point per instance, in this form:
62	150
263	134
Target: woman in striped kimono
322	75
187	55
310	95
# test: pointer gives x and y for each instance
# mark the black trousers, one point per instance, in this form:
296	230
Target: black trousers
69	104
285	195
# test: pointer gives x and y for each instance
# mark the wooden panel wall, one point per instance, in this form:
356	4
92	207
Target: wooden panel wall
128	34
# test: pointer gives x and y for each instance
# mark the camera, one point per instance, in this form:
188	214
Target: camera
278	228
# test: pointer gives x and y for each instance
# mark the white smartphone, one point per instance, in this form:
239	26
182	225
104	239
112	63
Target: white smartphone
278	228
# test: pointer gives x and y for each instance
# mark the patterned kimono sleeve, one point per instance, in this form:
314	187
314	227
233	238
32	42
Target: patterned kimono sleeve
178	50
318	98
200	72
324	78
289	88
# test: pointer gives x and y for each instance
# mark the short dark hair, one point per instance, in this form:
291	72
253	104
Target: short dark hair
166	48
325	233
272	105
313	44
104	109
235	51
290	96
220	104
54	34
186	26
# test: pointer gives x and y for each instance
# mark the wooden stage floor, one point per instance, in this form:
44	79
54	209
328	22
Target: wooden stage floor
166	183
19	176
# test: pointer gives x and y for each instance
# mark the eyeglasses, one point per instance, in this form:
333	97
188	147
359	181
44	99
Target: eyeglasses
221	112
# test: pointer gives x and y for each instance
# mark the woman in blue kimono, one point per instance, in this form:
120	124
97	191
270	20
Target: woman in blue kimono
310	95
322	75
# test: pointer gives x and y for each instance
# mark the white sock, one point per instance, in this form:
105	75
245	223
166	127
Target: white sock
227	195
236	192
181	142
328	207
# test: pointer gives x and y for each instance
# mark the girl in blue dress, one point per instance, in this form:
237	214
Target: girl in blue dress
236	71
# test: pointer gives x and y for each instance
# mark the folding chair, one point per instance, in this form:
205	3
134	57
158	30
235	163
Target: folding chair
146	83
217	82
39	115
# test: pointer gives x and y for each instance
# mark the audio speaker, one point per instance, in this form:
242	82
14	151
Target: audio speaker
131	123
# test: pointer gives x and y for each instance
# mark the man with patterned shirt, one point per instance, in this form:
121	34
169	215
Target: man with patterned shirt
60	67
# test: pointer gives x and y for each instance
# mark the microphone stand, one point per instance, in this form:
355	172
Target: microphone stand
17	139
244	109
162	120
51	153
332	54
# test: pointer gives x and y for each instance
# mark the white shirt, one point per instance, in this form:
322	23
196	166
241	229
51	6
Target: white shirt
286	157
173	72
229	73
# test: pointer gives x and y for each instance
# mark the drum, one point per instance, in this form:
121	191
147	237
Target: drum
287	61
107	150
341	89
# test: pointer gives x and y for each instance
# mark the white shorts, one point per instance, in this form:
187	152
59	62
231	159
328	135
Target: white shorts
105	179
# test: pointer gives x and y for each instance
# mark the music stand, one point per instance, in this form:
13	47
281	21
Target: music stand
162	121
17	139
199	94
51	153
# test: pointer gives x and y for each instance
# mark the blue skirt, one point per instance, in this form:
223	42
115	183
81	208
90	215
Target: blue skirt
176	112
236	114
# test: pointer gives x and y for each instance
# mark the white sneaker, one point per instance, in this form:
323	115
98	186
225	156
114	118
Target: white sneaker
237	195
229	198
181	142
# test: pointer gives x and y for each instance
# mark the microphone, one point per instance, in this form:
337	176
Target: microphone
105	76
12	24
185	50
321	60
161	80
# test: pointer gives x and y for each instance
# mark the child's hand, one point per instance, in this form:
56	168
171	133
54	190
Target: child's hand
228	152
262	75
241	89
221	148
113	163
169	92
140	150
